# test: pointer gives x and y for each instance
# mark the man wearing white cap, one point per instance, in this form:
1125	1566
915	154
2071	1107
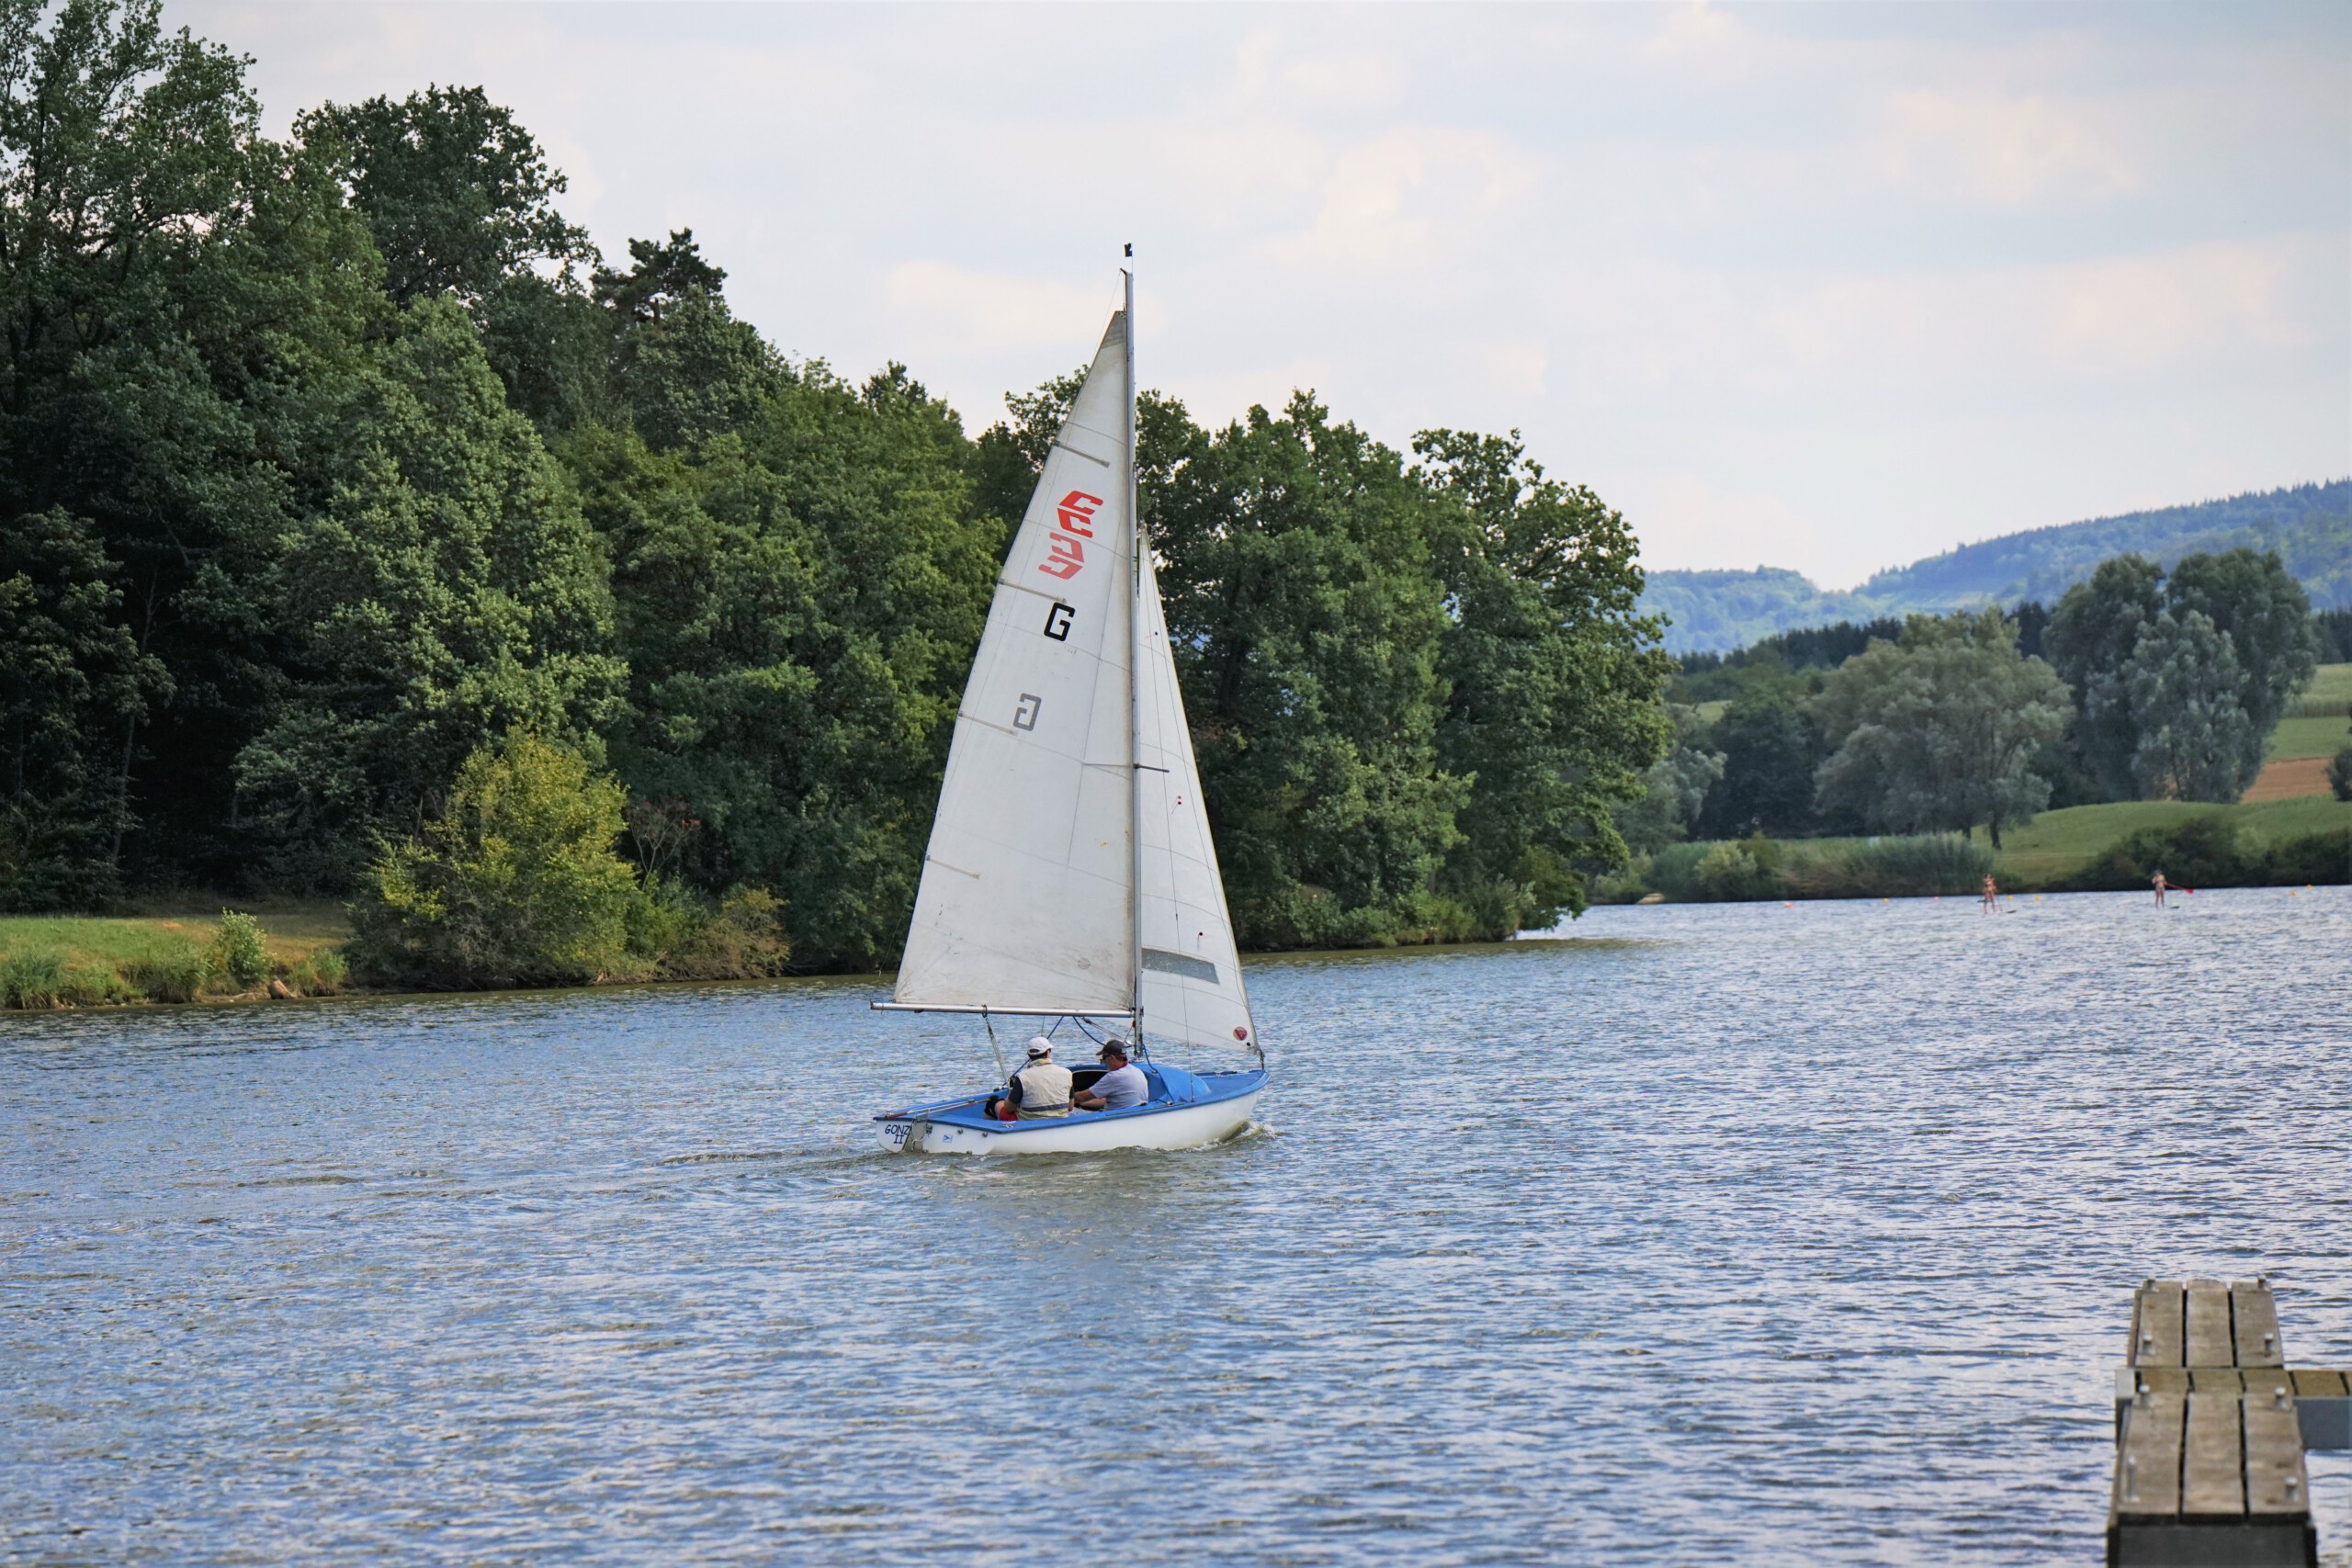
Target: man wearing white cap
1039	1091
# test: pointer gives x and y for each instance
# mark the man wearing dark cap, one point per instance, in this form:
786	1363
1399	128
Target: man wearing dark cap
1122	1084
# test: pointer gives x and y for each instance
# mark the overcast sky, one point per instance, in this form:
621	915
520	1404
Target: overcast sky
1823	286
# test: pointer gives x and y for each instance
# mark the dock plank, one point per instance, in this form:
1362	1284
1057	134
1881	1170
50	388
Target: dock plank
2212	1469
2319	1383
2275	1480
2156	1314
2253	1317
2147	1460
2209	1340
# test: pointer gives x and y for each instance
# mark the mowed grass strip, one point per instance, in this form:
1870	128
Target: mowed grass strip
2057	842
2307	737
293	931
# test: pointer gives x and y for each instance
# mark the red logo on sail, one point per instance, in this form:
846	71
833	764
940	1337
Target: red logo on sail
1076	515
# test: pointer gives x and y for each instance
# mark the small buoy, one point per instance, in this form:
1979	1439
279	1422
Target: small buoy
1788	905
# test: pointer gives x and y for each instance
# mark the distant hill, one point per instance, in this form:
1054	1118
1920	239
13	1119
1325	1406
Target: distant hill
2309	525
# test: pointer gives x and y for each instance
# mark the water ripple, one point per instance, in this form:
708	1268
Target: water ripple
1696	1235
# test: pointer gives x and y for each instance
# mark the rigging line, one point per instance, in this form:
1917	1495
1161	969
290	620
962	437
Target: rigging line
994	1049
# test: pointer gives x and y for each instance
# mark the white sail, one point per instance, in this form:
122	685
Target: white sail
1191	973
1027	902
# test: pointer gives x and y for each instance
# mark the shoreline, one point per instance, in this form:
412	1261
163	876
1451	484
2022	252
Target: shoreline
1566	933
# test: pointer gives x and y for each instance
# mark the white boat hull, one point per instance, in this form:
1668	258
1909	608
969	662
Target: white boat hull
1178	1127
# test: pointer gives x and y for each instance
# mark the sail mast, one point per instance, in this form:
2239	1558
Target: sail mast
1134	691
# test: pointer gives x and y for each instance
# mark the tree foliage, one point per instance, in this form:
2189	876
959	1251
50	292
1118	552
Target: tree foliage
515	883
1771	745
2252	619
1939	731
2193	738
1674	788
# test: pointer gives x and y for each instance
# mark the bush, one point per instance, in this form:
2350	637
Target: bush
1759	867
2203	852
321	975
32	980
239	952
1306	917
173	972
96	984
1747	870
516	884
2339	774
743	939
2323	858
1909	867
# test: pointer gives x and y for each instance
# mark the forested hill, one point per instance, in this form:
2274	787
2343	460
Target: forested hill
2310	525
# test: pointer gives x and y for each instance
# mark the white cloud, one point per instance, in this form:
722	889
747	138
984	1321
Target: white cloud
1408	198
2006	150
974	309
1824	287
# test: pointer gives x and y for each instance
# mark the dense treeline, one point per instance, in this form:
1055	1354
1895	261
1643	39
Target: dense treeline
2139	685
340	473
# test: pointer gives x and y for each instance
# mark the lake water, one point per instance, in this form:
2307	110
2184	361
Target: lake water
1711	1234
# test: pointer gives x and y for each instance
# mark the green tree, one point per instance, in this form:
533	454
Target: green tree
458	198
1308	621
2260	615
1674	788
2090	637
460	201
74	686
684	368
1939	731
2196	740
514	883
1553	679
800	596
183	300
1771	747
2251	599
447	590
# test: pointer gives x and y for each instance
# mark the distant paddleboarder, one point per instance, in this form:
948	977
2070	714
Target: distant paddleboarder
1992	895
2159	884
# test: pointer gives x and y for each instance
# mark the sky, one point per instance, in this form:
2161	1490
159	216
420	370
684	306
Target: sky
1824	287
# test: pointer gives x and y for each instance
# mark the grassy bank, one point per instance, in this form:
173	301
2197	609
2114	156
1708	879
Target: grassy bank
2085	846
173	955
2057	845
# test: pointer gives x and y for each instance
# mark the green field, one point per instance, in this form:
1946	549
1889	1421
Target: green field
2330	683
2307	737
293	932
2058	841
2317	724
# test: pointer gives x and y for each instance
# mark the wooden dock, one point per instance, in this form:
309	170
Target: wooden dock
2210	1429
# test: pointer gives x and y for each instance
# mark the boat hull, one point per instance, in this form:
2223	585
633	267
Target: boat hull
955	1129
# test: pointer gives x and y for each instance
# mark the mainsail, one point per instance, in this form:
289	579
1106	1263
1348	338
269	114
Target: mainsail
1037	895
1026	902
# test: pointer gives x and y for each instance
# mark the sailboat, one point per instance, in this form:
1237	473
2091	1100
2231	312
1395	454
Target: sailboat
1070	873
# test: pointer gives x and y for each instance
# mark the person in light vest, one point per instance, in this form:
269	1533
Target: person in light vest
1039	1091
